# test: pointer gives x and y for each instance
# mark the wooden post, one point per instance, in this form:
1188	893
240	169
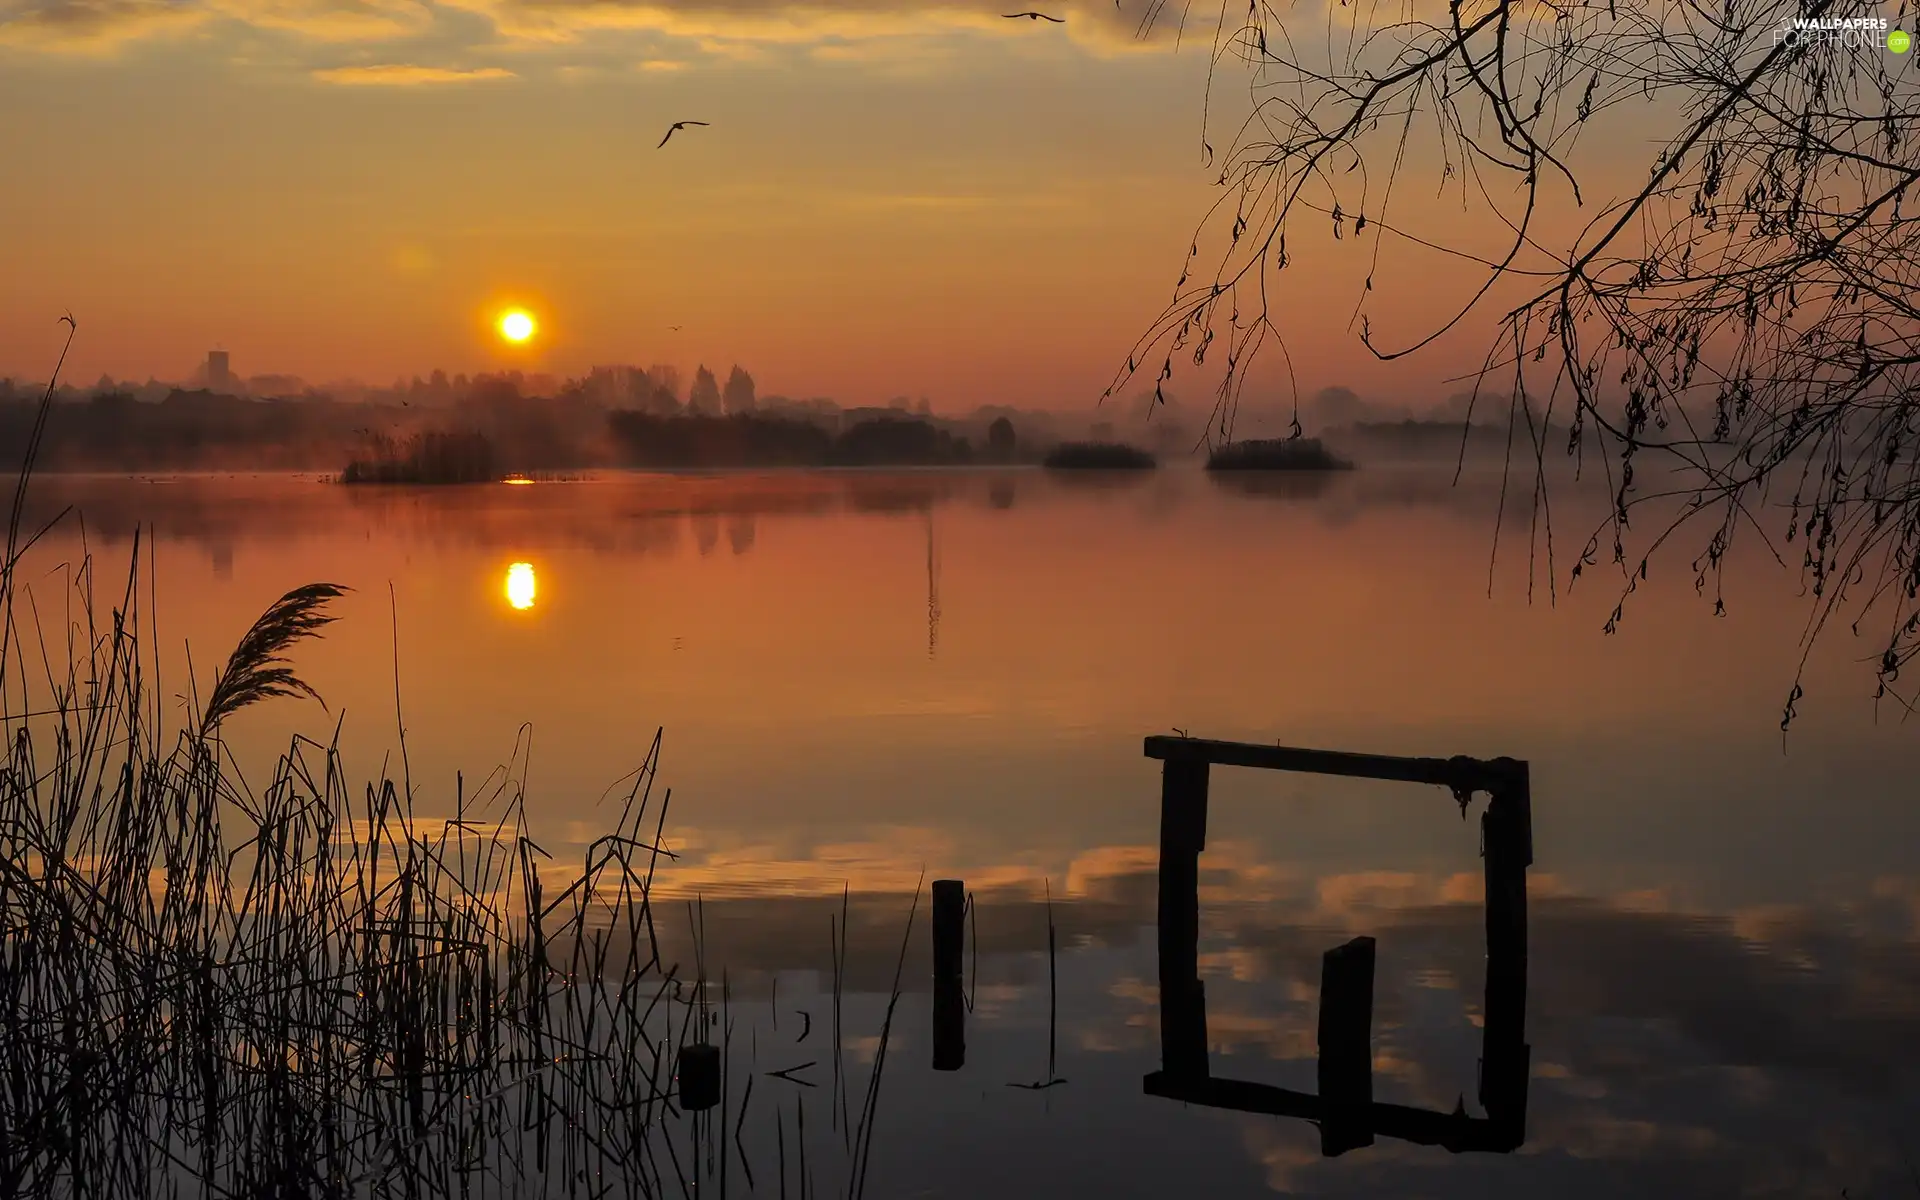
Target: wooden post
699	1076
1506	830
949	997
1346	1047
1183	835
949	1025
949	927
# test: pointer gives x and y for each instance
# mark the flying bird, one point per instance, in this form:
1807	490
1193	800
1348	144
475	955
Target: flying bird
676	328
1034	16
676	127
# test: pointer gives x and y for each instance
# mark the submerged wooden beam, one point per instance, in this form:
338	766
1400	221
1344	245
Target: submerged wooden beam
1455	1131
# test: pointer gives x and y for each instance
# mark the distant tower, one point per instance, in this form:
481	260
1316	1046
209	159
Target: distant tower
219	372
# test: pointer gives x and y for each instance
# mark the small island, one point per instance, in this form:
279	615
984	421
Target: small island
432	457
1097	456
1275	454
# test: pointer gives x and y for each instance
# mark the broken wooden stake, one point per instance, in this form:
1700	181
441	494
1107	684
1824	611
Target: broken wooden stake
699	1077
949	987
1346	1047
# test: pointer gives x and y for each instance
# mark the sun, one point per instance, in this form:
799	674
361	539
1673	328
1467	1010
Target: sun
516	325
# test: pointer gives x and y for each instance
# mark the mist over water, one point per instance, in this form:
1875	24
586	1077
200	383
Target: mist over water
868	675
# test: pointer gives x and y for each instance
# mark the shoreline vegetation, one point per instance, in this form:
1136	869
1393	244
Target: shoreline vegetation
1276	454
1098	456
313	989
432	457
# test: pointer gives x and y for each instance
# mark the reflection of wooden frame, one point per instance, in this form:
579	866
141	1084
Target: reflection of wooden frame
1346	1113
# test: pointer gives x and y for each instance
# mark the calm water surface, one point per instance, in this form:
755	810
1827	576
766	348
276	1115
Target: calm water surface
867	676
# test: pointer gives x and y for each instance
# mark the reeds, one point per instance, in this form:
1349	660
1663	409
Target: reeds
431	457
311	990
1275	454
1097	456
298	993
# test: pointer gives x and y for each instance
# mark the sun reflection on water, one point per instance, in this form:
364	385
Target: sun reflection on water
520	585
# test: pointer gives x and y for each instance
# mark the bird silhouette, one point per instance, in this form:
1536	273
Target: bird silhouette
676	328
676	127
1034	16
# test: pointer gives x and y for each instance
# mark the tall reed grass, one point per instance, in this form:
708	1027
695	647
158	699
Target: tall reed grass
311	989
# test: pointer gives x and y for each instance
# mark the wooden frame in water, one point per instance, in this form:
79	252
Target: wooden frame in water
1345	1110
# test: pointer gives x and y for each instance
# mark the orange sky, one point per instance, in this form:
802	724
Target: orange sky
892	199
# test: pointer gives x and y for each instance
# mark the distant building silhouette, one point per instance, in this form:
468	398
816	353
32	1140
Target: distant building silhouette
219	370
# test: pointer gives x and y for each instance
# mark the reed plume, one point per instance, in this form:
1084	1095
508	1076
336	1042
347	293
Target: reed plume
259	669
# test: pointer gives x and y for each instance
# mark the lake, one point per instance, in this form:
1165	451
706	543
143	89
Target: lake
867	678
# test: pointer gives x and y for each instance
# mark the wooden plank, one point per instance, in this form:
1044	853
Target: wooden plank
1460	771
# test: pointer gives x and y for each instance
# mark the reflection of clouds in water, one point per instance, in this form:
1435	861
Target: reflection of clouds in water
1765	1051
1669	1045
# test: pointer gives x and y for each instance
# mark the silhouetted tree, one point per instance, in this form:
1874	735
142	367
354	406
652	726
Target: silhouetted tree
1000	438
739	391
704	398
666	388
1747	309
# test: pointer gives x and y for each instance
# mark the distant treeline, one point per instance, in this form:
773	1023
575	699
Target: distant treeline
646	440
201	430
204	430
611	420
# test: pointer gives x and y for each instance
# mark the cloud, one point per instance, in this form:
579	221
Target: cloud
879	32
93	27
99	27
407	75
773	22
330	20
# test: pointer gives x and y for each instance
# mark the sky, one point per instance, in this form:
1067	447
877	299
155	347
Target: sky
891	198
